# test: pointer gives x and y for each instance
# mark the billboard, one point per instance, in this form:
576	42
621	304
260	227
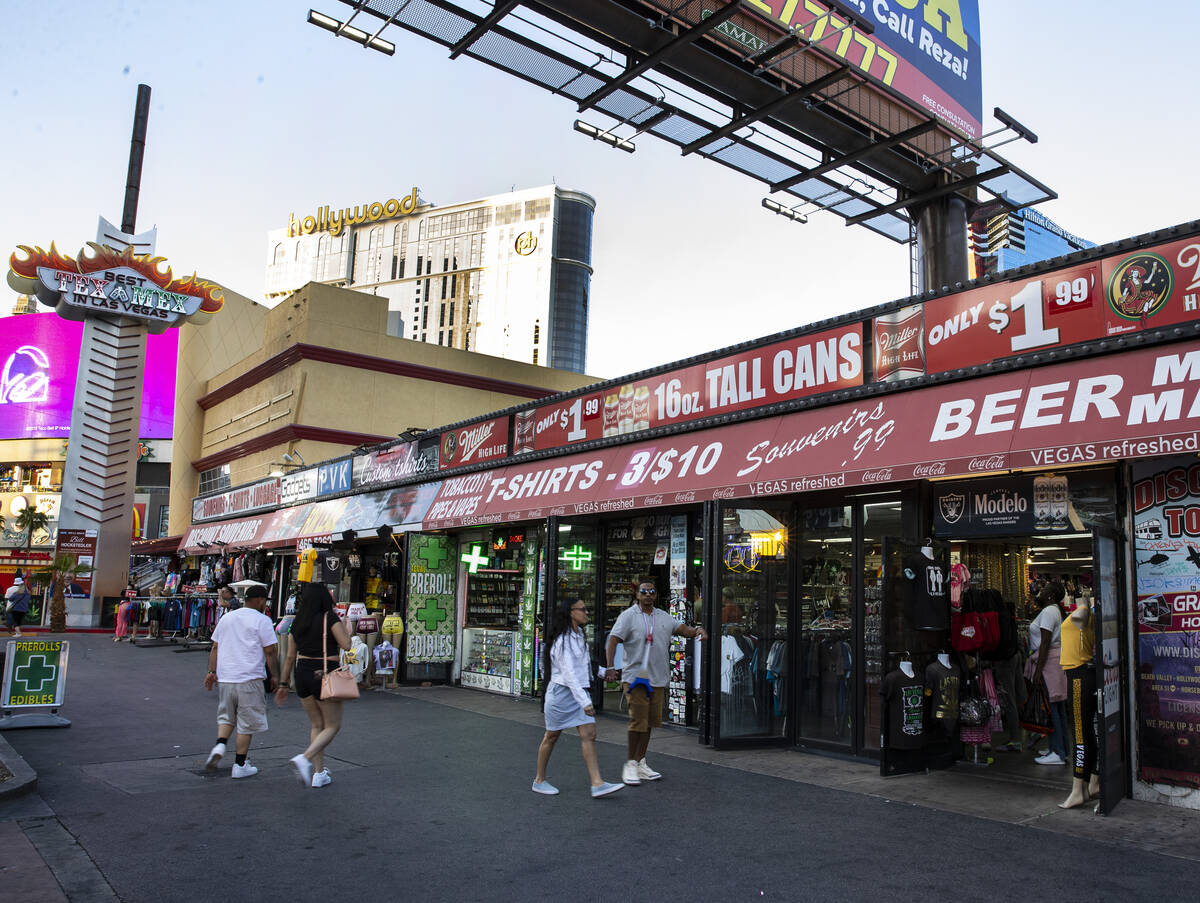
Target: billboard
39	359
927	51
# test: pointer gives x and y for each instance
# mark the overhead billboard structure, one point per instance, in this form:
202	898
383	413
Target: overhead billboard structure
869	110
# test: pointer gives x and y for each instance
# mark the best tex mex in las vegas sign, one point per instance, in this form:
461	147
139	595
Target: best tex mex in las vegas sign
120	284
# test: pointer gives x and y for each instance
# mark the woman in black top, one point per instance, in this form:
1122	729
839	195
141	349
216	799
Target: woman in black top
315	630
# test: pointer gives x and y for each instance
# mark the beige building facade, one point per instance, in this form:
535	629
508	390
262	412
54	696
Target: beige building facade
318	376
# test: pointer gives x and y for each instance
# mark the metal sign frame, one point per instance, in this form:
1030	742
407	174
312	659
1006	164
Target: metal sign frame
15	716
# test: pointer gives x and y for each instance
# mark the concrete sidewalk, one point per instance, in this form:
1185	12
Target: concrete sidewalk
961	790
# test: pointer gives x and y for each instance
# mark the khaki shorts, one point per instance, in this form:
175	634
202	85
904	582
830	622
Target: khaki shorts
243	705
644	713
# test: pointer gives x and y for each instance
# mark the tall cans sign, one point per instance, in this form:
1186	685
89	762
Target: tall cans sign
1166	517
431	571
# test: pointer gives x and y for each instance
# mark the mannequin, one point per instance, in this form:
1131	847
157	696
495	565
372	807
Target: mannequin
944	659
356	658
393	634
368	629
1077	652
927	549
907	668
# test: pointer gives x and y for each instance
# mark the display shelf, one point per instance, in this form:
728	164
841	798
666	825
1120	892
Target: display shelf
488	659
494	599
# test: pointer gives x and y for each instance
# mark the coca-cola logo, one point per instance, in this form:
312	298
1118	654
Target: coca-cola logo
685	496
882	475
936	469
992	462
888	338
726	493
652	500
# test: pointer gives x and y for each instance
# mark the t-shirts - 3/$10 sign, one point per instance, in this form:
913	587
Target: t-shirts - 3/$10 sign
431	568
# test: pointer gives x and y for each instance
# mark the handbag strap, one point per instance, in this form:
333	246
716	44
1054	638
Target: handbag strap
325	637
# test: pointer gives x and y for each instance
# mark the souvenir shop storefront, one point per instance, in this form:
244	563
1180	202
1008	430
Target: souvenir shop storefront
848	509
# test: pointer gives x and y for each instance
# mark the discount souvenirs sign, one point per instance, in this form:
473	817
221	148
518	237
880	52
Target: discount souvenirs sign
1137	404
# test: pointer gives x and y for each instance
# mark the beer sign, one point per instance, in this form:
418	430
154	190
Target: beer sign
793	368
1005	506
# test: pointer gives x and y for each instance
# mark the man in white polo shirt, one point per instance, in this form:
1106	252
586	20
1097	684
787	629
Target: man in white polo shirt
243	650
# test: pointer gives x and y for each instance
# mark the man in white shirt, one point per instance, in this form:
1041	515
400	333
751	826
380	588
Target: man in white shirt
645	632
243	651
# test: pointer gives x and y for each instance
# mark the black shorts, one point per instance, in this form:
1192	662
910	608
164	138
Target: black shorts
308	673
16	618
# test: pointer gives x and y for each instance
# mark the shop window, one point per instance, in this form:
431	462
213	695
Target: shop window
880	518
752	648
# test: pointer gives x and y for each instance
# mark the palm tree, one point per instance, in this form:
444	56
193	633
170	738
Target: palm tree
30	520
63	569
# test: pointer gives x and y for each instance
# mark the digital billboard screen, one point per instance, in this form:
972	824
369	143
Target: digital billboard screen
39	360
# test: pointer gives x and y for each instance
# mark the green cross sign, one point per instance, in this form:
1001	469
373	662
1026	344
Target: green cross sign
433	552
33	674
431	614
474	559
576	556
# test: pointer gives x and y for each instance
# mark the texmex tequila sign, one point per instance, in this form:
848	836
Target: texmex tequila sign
104	281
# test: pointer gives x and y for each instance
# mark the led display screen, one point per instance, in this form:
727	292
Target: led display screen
39	360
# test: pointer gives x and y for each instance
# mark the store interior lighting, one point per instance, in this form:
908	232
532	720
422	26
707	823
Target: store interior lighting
346	30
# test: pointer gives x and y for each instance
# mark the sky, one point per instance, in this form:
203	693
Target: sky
256	114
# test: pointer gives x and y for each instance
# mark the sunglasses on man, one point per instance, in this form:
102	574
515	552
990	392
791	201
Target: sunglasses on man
647	592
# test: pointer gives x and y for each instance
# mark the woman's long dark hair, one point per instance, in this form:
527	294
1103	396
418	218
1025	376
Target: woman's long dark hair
312	606
560	622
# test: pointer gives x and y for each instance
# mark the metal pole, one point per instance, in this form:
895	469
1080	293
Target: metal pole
137	147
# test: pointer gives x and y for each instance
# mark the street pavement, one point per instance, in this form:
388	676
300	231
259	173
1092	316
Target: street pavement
430	801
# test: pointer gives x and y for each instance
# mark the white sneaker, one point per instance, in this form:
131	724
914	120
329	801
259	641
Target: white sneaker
321	778
646	773
304	769
244	771
1050	758
629	773
214	757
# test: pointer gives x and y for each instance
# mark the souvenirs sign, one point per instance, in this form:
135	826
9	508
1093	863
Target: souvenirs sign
118	284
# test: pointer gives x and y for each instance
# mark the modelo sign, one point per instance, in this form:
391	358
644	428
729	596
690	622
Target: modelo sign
1004	506
474	443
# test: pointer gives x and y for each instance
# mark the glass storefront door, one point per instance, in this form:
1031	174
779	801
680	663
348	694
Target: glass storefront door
880	518
825	659
752	648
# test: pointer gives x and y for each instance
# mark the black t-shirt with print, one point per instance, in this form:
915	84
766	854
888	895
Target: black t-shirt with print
941	689
925	583
905	700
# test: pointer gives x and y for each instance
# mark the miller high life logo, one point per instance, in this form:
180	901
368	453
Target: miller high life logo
115	283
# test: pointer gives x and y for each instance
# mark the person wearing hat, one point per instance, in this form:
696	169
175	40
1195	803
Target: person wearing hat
16	604
243	649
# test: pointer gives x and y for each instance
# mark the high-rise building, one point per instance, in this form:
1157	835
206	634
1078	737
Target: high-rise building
507	275
1002	239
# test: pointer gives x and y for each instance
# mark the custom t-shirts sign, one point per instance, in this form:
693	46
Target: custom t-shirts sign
926	586
905	700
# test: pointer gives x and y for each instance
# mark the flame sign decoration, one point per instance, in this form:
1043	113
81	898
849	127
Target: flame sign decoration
25	262
26	376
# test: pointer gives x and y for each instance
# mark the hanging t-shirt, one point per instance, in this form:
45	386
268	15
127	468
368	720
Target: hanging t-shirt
386	657
960	577
904	697
924	582
731	654
941	689
372	599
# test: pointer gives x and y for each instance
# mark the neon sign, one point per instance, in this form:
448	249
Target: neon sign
577	557
26	376
474	559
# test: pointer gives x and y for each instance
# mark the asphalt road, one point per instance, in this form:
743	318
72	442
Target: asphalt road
430	802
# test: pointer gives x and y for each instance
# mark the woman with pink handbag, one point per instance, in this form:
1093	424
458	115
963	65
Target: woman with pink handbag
310	661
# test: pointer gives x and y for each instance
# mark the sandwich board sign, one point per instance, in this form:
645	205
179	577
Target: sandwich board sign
35	682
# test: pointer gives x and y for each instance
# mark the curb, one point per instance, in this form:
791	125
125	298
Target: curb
24	778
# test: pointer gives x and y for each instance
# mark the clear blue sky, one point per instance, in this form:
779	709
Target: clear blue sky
257	114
